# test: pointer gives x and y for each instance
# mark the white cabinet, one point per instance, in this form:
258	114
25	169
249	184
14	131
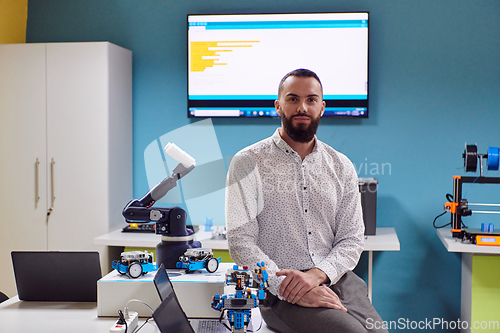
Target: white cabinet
65	144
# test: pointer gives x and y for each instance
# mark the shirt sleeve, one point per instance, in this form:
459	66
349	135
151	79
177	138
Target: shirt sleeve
348	228
244	202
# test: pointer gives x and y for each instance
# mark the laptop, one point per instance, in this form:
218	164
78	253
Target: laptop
170	317
56	276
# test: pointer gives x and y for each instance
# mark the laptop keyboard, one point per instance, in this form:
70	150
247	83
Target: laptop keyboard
210	326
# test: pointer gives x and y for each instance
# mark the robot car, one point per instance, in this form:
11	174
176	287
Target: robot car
195	259
134	263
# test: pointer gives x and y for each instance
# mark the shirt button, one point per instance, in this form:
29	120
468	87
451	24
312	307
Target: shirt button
306	210
305	188
310	233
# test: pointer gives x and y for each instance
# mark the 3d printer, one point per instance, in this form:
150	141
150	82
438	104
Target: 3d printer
170	223
460	206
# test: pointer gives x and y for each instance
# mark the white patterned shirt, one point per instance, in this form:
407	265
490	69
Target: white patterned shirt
291	213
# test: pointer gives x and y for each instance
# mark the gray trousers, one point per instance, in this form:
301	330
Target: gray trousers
361	316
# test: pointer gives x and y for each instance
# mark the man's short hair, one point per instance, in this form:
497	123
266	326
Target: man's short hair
301	72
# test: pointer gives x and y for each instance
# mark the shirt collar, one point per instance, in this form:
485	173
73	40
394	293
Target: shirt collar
281	144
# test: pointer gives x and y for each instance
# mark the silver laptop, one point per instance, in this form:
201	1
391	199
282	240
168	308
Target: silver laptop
170	317
56	276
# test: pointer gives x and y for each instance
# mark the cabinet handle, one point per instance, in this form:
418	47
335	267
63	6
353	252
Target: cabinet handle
51	187
37	194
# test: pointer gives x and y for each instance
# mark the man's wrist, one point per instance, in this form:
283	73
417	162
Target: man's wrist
320	275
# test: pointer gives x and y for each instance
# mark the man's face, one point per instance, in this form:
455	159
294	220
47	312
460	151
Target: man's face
300	106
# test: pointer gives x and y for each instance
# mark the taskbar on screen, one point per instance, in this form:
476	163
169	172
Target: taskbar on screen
262	112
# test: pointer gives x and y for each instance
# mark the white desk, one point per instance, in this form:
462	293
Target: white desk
467	250
386	239
60	317
53	317
146	239
455	245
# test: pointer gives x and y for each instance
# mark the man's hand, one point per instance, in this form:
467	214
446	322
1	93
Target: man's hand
321	297
297	283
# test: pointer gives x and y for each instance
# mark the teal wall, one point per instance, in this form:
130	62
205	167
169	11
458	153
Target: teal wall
434	85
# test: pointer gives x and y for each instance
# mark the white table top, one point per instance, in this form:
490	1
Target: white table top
386	239
455	245
56	317
147	239
60	317
129	239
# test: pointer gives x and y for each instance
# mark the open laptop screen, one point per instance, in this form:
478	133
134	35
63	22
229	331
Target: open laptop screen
169	316
57	276
162	283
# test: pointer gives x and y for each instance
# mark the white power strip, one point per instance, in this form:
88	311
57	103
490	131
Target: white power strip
132	321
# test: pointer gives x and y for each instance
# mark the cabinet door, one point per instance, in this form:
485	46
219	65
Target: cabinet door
23	200
77	143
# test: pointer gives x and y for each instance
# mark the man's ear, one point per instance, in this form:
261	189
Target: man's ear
323	110
277	106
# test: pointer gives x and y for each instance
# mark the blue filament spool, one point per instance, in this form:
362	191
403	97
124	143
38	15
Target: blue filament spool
493	153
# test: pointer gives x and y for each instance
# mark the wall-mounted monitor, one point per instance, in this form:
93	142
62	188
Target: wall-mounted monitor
235	62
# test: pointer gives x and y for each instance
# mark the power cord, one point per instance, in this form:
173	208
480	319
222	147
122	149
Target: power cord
449	197
121	320
144	303
442	226
222	317
147	321
138	301
125	314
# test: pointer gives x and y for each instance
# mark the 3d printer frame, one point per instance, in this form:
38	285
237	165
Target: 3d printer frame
460	207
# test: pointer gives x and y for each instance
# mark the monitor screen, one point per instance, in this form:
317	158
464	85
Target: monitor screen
235	62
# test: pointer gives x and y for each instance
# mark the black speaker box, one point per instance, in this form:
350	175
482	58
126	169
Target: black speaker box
368	190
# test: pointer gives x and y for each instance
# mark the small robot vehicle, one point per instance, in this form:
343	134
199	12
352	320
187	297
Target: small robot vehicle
195	259
134	263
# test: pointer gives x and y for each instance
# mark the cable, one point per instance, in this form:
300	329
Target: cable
465	195
222	317
434	222
126	313
258	328
138	329
449	197
139	301
122	320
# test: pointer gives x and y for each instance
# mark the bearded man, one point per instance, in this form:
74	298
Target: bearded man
293	202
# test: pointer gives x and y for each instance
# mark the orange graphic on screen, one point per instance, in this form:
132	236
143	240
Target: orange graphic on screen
206	54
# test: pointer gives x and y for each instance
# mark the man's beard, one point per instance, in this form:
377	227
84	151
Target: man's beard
302	132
